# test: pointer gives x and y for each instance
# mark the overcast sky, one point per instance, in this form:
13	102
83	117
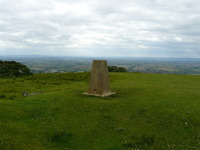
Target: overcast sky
135	28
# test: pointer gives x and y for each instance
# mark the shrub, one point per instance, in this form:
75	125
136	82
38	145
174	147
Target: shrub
13	68
116	69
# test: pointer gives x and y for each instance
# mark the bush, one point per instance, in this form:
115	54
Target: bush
13	68
116	69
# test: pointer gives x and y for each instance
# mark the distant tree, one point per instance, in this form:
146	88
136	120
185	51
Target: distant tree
13	68
116	69
121	69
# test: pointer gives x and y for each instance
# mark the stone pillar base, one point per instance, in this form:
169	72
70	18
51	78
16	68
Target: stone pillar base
103	95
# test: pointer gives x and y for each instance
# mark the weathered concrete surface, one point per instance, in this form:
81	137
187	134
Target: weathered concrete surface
99	80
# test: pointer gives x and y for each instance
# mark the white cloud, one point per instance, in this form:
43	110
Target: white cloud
100	28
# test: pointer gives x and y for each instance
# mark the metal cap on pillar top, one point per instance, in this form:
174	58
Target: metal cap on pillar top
99	84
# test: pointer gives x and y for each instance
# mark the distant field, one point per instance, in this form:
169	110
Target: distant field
149	112
47	64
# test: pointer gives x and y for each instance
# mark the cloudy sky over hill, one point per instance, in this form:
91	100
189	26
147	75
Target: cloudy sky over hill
149	28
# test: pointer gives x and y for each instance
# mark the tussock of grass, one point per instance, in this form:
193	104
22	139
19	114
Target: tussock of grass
149	111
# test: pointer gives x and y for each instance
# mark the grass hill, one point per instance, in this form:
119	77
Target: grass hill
149	112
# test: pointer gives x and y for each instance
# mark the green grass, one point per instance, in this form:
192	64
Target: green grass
149	112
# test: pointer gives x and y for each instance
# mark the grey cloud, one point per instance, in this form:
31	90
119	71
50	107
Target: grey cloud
94	28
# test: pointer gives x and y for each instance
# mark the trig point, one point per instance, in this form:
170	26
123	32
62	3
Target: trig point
99	80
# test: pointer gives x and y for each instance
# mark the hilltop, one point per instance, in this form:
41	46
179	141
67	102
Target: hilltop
149	111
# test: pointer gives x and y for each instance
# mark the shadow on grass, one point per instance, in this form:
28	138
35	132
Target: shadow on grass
61	139
144	142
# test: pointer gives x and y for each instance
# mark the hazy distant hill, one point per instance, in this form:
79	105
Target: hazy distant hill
44	64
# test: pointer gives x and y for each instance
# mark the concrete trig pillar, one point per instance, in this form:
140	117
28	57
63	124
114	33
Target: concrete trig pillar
99	84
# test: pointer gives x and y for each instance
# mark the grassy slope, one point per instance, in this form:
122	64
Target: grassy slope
149	111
